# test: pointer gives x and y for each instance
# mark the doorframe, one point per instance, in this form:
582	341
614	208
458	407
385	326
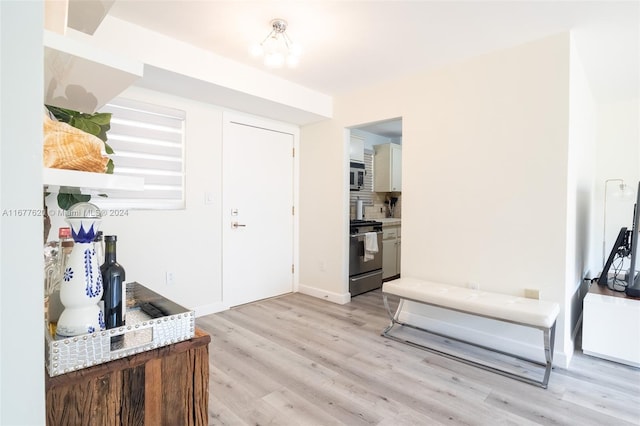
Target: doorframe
278	126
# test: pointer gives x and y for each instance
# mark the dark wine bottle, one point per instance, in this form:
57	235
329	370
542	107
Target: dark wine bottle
113	276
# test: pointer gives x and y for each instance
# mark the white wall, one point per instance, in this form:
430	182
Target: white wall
186	242
324	206
21	235
580	188
485	154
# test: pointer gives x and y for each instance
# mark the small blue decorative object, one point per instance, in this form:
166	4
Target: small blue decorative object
68	274
101	320
93	279
82	235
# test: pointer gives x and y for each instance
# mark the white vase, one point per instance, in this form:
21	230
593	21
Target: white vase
81	285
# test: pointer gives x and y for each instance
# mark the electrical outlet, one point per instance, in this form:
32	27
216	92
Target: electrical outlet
532	293
170	278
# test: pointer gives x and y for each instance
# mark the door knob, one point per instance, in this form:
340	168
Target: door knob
235	225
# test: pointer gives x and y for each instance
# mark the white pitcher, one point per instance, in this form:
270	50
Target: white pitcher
81	285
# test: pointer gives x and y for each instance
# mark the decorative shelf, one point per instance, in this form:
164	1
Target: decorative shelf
88	182
82	77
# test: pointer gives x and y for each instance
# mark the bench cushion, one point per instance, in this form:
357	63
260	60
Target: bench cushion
533	312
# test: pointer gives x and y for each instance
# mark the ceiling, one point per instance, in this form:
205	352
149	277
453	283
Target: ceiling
387	128
348	45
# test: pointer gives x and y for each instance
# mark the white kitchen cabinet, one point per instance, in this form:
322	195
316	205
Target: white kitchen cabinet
82	77
356	149
387	170
390	249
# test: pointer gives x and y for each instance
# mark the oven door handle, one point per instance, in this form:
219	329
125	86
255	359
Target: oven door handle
363	234
366	275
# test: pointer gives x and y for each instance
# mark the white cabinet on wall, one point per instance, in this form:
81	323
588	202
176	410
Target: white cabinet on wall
387	171
390	248
356	149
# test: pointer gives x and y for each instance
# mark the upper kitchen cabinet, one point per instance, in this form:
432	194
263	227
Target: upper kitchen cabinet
356	149
387	172
81	77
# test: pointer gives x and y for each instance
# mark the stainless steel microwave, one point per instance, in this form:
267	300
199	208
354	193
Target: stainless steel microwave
356	176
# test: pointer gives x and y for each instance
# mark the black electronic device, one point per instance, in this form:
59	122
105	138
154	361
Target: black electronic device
620	250
633	279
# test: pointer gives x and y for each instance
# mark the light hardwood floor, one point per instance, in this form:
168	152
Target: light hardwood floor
299	360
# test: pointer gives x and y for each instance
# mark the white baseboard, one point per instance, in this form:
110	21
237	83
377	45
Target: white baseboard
339	298
210	309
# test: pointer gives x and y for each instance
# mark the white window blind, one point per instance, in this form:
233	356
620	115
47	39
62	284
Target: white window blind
366	193
148	142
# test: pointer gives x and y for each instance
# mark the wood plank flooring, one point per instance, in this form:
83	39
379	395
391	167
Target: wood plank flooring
299	360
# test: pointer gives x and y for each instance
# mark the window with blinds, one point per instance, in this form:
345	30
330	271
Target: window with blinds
148	142
366	193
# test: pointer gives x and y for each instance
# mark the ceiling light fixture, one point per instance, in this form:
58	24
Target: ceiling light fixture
277	48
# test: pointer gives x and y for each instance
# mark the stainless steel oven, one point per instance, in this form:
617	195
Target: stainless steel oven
365	272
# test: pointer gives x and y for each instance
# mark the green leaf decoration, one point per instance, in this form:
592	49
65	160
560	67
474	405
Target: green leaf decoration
108	148
109	167
65	200
102	118
87	126
62	114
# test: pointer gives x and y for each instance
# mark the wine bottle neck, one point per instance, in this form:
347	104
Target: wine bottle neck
110	252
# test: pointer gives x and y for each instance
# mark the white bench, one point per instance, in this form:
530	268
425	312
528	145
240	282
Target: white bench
517	310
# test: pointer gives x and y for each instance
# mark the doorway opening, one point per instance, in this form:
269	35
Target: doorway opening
376	148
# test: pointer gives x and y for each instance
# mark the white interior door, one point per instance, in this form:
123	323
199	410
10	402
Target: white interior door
257	216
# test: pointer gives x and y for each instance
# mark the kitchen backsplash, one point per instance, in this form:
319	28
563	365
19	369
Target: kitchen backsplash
379	209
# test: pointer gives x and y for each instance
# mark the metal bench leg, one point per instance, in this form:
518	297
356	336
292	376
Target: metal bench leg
392	316
549	341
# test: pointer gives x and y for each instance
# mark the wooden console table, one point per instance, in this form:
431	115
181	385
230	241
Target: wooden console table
163	386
